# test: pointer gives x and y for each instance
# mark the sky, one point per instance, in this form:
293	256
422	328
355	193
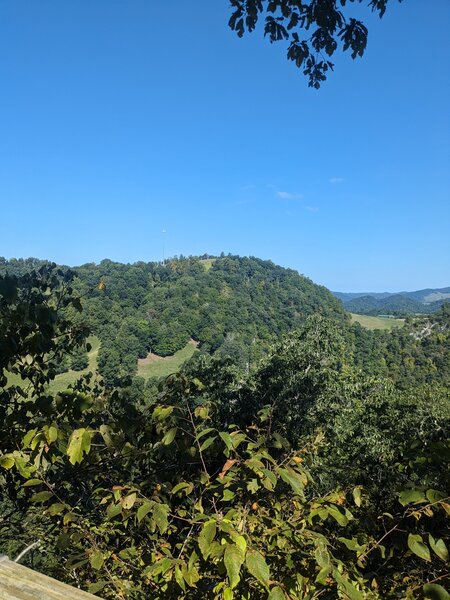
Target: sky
132	129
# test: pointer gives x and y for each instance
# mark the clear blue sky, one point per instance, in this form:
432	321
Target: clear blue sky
120	119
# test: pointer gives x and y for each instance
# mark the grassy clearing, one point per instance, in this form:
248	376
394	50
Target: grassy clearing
207	263
377	322
158	366
62	381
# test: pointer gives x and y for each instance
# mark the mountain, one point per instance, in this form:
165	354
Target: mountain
402	303
230	305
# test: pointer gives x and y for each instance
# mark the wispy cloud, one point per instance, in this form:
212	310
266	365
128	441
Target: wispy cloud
289	195
250	186
312	209
335	180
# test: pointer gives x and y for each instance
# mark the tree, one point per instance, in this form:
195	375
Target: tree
326	22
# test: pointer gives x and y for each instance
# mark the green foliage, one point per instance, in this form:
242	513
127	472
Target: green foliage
301	479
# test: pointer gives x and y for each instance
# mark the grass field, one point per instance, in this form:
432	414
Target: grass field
207	263
158	366
62	381
376	322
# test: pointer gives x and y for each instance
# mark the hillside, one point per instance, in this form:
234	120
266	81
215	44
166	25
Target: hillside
231	306
425	301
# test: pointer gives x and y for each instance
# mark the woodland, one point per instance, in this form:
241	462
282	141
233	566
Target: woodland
295	455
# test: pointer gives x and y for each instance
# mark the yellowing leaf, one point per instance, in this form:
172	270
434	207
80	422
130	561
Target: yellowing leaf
79	444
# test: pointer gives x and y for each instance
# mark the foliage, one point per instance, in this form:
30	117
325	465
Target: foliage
325	23
174	499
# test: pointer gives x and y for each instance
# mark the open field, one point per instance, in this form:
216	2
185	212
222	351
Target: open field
63	380
158	366
377	322
207	263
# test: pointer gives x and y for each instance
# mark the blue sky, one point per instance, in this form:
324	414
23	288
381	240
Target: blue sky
121	119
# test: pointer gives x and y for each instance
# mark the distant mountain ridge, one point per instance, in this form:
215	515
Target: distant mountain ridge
428	300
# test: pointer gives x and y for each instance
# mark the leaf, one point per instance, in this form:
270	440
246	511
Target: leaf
439	548
160	514
257	566
143	510
52	434
162	412
32	482
56	509
79	444
357	496
433	591
113	510
41	497
128	501
227	439
169	436
96	560
206	537
349	588
276	593
337	515
233	558
410	496
226	467
7	461
290	477
228	594
416	545
207	443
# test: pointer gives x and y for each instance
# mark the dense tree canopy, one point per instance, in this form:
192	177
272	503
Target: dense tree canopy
301	479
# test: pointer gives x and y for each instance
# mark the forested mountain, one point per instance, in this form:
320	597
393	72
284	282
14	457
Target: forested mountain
233	306
399	304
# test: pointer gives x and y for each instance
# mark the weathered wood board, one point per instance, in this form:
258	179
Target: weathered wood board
20	583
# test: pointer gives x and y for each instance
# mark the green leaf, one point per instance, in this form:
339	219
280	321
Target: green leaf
290	477
207	443
206	537
7	461
41	497
169	436
113	510
162	412
228	594
143	510
337	515
31	482
439	548
357	496
96	587
349	588
433	591
233	558
276	593
257	566
79	444
227	439
52	434
160	514
416	545
411	496
56	509
96	560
